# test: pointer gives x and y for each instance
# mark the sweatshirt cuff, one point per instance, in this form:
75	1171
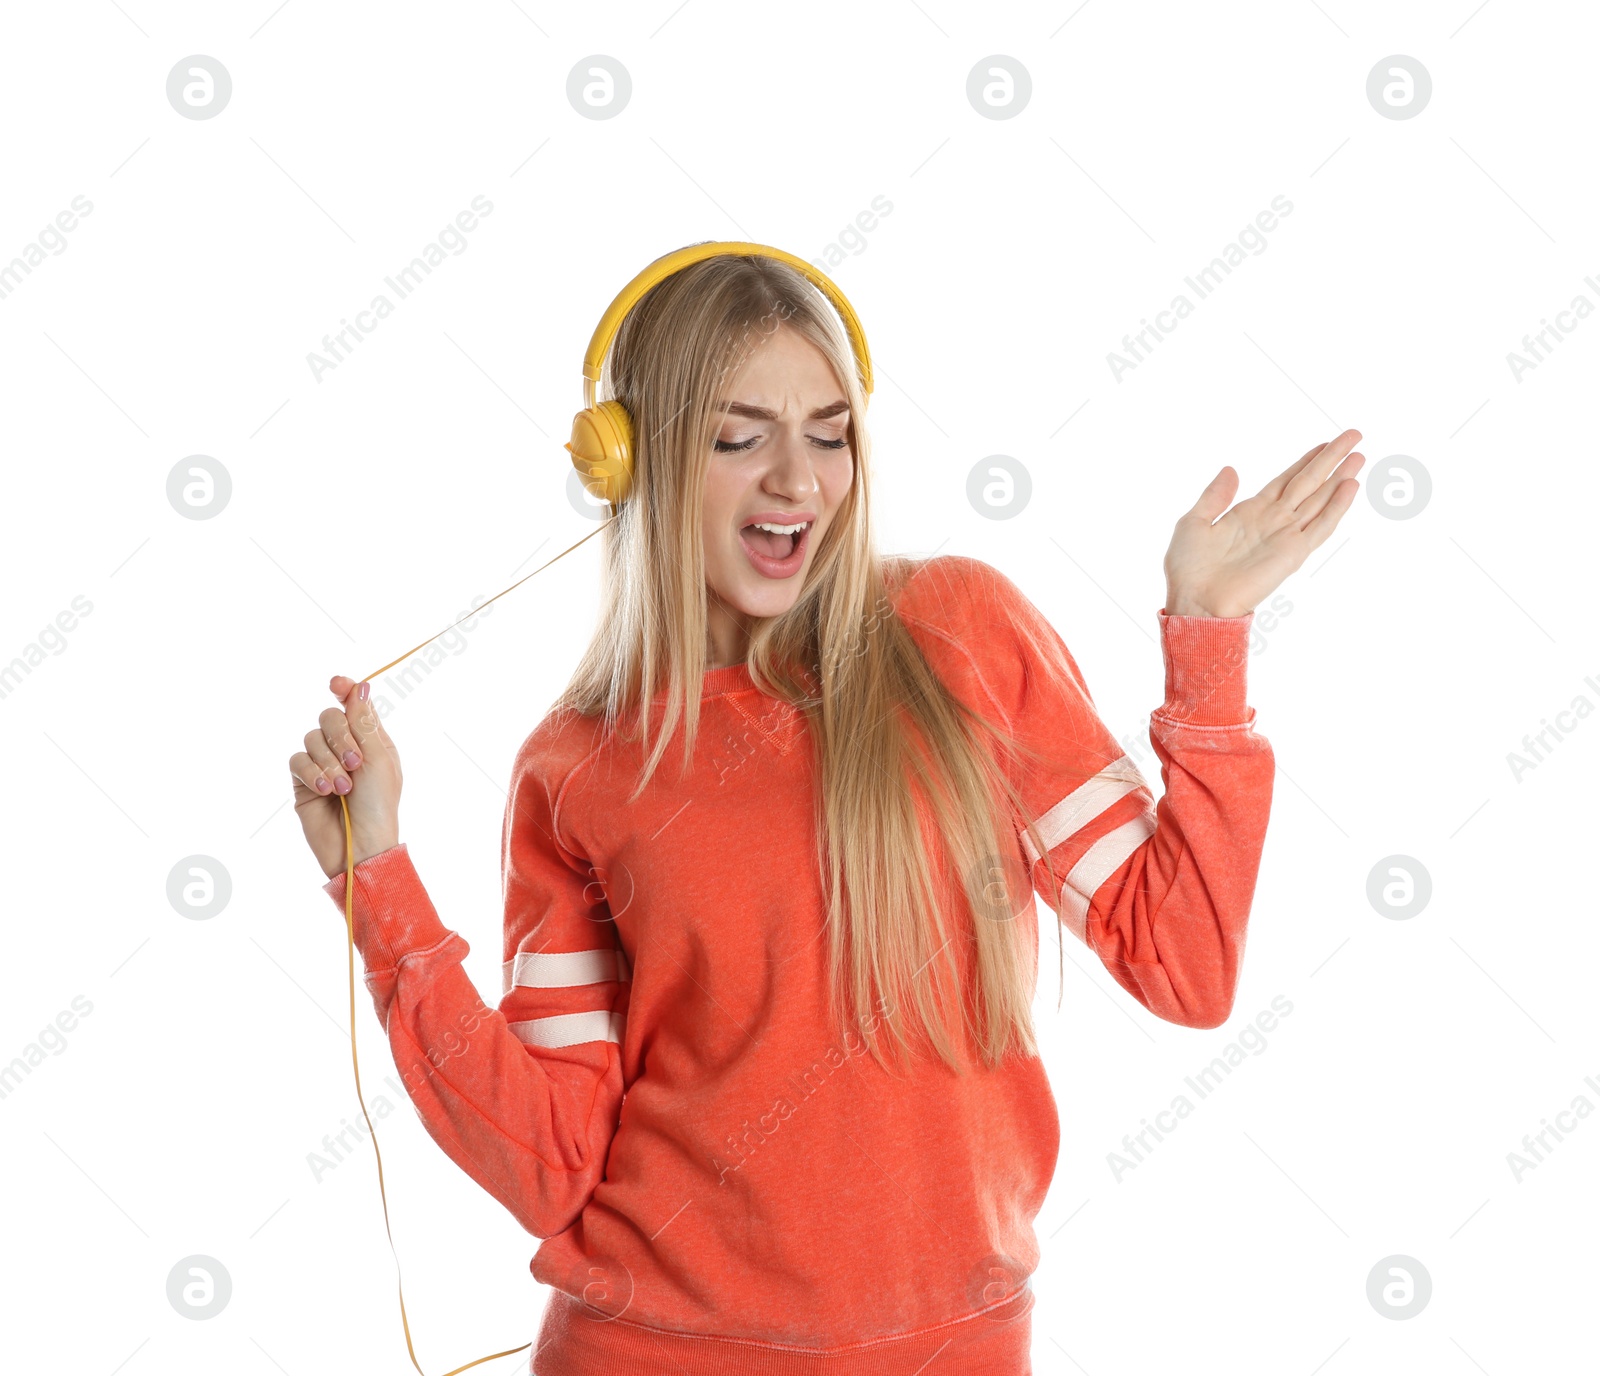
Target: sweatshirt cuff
393	915
1206	658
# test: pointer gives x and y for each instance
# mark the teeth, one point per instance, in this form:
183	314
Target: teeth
779	530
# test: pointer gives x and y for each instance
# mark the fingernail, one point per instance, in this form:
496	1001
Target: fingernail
363	690
343	785
323	785
351	759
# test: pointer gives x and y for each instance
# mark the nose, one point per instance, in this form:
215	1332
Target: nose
791	473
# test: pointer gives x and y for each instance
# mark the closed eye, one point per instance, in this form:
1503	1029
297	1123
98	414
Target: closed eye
724	447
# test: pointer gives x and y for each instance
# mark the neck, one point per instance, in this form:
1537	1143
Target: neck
727	637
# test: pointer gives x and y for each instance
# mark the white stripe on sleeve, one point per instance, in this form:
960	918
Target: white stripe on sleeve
1103	859
1086	802
570	1029
564	969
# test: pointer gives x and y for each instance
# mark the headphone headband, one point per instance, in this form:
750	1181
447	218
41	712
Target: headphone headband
670	263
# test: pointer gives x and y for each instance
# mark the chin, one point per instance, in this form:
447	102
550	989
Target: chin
758	597
750	594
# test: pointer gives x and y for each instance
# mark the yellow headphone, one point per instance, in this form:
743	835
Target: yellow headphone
602	436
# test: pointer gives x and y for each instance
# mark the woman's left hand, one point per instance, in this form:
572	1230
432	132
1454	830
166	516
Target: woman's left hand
1224	567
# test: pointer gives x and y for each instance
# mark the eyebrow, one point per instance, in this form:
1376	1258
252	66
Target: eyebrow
742	408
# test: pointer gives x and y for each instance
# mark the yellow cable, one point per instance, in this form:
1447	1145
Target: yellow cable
350	934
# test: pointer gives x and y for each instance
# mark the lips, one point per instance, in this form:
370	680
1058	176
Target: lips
773	555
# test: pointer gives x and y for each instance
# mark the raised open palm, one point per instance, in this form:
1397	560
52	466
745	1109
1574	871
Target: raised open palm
1223	561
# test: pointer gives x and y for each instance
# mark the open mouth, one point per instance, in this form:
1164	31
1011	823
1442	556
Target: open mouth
775	548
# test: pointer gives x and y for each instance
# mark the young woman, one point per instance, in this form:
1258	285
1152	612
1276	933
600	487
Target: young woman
763	1075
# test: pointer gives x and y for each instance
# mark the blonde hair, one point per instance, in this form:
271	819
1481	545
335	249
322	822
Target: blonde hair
881	721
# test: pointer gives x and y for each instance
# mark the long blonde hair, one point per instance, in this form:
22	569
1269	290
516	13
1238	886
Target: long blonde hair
882	723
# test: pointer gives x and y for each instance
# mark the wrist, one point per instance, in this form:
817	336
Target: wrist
367	847
1185	604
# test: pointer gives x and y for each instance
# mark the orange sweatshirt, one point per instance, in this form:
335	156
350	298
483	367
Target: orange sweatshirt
723	1187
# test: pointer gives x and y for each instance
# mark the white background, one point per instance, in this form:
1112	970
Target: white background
369	508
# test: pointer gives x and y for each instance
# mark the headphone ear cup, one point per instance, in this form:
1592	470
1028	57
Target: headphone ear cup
602	450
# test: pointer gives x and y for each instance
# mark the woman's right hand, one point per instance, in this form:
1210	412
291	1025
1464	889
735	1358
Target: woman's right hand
348	754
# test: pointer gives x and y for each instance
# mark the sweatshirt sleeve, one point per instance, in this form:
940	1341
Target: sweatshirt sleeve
1159	889
524	1098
